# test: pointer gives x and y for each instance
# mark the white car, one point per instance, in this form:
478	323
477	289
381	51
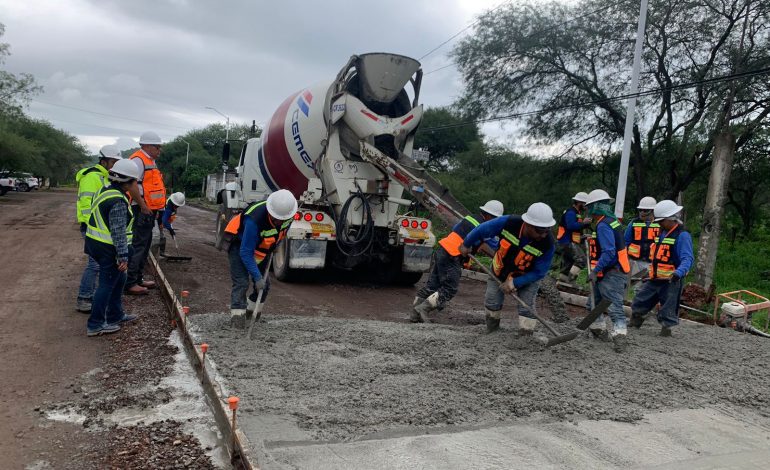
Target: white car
6	183
26	182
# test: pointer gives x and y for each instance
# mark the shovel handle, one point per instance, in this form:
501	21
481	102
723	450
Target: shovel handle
258	308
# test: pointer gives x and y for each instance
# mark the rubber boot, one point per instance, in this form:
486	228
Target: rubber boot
414	317
564	278
665	332
423	310
574	272
637	320
238	318
492	320
251	305
620	343
526	326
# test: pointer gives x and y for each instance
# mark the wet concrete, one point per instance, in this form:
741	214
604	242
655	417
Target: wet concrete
306	382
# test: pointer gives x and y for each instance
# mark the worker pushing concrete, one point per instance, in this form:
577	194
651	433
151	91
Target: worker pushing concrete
255	234
609	267
167	217
448	263
90	180
569	238
640	233
671	258
146	207
521	261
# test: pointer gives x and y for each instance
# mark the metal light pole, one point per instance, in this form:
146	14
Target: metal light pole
620	197
227	126
187	158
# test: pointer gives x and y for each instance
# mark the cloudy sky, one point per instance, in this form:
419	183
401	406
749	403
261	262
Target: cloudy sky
112	69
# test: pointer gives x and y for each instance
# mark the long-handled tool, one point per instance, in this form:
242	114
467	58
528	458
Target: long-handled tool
558	338
177	257
258	308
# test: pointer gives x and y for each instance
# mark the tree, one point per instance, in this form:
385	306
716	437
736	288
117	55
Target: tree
748	192
444	144
15	90
569	61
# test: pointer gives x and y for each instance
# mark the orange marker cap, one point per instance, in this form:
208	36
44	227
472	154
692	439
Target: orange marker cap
233	402
186	309
185	293
204	347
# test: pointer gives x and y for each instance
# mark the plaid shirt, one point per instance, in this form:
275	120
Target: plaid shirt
118	222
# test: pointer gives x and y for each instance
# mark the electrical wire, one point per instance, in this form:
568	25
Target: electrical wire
108	115
648	92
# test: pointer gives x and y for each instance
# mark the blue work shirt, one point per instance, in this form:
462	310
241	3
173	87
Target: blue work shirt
493	228
571	224
608	258
250	240
683	255
169	211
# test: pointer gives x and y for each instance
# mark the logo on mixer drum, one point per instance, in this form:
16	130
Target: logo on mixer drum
304	100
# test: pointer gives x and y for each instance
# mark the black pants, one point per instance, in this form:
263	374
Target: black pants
143	225
571	255
444	277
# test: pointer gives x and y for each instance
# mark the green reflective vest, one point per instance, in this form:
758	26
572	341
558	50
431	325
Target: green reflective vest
98	228
90	180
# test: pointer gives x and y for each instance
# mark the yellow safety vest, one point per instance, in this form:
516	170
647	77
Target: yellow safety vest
97	228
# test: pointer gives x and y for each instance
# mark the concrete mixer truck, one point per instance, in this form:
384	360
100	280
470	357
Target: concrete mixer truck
344	149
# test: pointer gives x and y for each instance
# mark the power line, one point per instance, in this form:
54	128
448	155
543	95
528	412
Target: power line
654	91
168	126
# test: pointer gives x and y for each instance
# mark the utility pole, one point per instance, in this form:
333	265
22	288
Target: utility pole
620	196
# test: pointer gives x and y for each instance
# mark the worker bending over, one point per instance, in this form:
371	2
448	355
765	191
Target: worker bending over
569	238
609	267
520	262
670	260
256	233
167	217
448	263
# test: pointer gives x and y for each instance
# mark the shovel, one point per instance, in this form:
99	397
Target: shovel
558	338
177	257
258	309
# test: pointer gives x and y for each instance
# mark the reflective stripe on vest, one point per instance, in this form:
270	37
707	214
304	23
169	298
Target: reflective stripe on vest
97	227
595	249
522	261
575	236
152	182
661	266
451	243
643	237
93	179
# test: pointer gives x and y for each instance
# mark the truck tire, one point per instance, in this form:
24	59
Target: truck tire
407	279
281	267
23	187
3	191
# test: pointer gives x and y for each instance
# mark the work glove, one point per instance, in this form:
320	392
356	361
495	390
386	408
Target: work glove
587	221
464	250
675	278
593	277
260	283
508	286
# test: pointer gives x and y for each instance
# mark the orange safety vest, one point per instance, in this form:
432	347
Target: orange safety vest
575	236
643	237
513	259
268	237
661	258
154	189
451	243
595	249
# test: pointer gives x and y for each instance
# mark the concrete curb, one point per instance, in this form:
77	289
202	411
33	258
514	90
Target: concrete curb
238	446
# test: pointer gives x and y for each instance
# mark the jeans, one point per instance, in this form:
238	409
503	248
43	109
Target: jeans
666	293
89	277
571	255
612	286
107	307
143	225
444	277
240	276
494	297
637	268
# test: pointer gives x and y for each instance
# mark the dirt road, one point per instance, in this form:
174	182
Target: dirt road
50	369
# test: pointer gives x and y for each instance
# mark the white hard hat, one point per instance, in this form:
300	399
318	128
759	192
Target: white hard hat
150	138
665	209
582	196
647	203
110	151
177	199
281	204
124	170
493	207
598	195
539	215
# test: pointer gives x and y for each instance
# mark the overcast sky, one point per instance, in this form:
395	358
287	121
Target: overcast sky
112	69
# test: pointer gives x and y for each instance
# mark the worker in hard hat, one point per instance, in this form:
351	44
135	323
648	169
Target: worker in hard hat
147	204
90	180
569	238
640	233
167	217
520	262
609	263
108	241
448	263
671	258
256	233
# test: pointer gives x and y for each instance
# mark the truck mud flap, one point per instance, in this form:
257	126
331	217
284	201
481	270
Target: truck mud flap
307	254
417	258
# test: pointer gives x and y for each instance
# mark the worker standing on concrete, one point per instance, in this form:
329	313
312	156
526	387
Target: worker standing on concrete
256	233
520	262
671	258
448	263
167	217
569	238
151	199
108	239
90	180
640	234
609	267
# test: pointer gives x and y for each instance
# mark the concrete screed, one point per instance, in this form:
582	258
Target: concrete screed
333	393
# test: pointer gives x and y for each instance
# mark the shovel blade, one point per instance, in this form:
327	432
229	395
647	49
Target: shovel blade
591	317
562	339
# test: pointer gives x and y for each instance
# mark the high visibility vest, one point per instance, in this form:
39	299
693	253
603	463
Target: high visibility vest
152	182
514	258
269	235
663	259
90	180
170	206
595	248
573	234
98	227
451	243
643	236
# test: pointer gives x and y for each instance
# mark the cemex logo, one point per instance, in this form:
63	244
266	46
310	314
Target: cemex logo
304	100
